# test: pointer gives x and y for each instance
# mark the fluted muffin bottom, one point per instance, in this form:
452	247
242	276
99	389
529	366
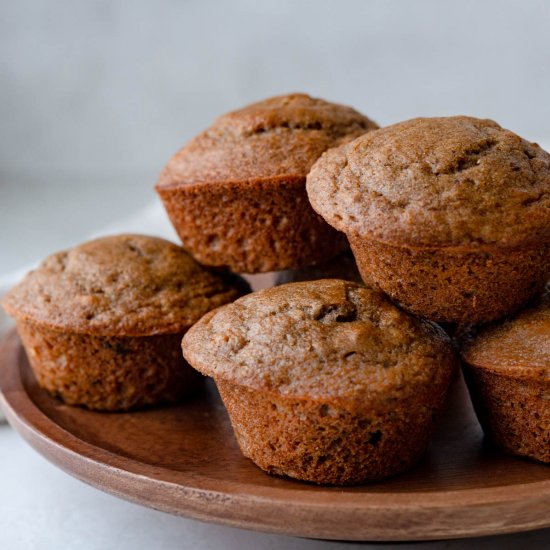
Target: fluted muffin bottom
326	443
454	284
107	373
251	227
513	412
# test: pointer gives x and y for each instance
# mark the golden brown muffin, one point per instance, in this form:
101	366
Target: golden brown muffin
102	323
325	381
507	367
236	193
449	216
342	266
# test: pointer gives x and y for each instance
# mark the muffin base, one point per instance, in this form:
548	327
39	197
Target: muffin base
328	444
107	373
514	413
251	227
454	285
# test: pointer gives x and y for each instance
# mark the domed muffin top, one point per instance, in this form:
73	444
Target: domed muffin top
327	339
456	181
278	137
124	285
519	346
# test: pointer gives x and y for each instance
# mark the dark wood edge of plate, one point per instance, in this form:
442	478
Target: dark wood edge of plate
333	515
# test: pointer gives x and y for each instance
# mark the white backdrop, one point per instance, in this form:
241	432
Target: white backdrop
96	95
119	85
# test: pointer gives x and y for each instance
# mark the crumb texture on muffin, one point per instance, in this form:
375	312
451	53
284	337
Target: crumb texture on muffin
507	368
280	136
269	226
324	340
110	373
327	443
236	193
513	410
325	381
455	285
519	346
454	181
129	285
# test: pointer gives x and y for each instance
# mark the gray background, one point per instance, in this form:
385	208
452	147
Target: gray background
119	85
95	96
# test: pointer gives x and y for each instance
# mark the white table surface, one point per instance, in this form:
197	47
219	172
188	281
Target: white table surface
42	507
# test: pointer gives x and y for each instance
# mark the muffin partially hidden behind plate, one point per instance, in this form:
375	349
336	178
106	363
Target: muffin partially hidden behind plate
325	381
102	323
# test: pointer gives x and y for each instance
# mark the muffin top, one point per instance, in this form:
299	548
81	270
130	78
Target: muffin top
518	347
279	137
324	340
456	181
124	285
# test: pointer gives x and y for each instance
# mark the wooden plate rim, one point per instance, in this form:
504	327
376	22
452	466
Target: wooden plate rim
199	499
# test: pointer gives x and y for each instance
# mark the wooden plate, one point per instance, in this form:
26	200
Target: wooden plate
184	460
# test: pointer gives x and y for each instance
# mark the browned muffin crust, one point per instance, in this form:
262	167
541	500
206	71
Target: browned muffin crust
102	323
507	366
518	346
449	216
236	193
280	136
108	373
453	285
454	181
325	380
123	285
325	339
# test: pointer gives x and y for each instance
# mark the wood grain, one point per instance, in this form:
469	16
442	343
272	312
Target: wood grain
184	460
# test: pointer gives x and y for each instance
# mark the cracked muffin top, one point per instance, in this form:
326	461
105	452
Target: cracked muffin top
324	340
519	346
455	181
123	285
279	137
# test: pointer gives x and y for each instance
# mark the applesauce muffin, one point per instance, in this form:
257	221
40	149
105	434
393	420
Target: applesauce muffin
507	367
449	216
325	381
236	193
102	323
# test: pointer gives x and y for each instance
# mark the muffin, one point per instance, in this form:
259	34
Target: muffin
507	367
102	323
236	193
449	216
342	266
325	381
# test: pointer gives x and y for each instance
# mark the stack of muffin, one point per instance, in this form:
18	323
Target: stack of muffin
327	379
